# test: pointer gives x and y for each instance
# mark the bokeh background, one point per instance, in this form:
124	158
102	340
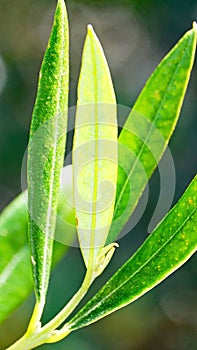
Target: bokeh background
135	36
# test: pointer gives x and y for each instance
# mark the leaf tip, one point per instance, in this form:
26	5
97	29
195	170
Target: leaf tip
195	26
90	29
60	3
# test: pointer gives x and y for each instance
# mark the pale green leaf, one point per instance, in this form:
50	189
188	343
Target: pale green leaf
94	152
15	267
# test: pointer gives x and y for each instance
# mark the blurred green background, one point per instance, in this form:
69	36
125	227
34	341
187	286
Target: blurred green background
135	36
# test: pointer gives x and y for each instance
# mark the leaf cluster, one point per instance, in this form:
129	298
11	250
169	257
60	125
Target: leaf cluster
110	174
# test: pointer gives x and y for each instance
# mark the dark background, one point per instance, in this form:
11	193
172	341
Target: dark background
135	36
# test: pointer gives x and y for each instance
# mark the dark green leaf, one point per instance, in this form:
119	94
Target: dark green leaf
46	150
149	128
169	246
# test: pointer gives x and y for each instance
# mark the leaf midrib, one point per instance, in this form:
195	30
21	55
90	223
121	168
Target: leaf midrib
12	265
96	176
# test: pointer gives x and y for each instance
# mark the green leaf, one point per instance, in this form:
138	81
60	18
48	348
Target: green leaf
15	268
169	246
46	150
95	153
149	127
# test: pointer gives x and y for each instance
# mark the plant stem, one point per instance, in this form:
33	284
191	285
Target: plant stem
36	316
48	333
68	309
28	342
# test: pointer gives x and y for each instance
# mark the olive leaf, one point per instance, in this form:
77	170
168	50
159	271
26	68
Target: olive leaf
169	246
15	266
95	154
46	150
149	127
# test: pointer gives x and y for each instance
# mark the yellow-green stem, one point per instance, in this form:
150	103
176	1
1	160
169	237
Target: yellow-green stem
48	333
36	316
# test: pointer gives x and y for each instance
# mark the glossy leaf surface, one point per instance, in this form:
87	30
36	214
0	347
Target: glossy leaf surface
169	246
46	150
149	127
95	150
